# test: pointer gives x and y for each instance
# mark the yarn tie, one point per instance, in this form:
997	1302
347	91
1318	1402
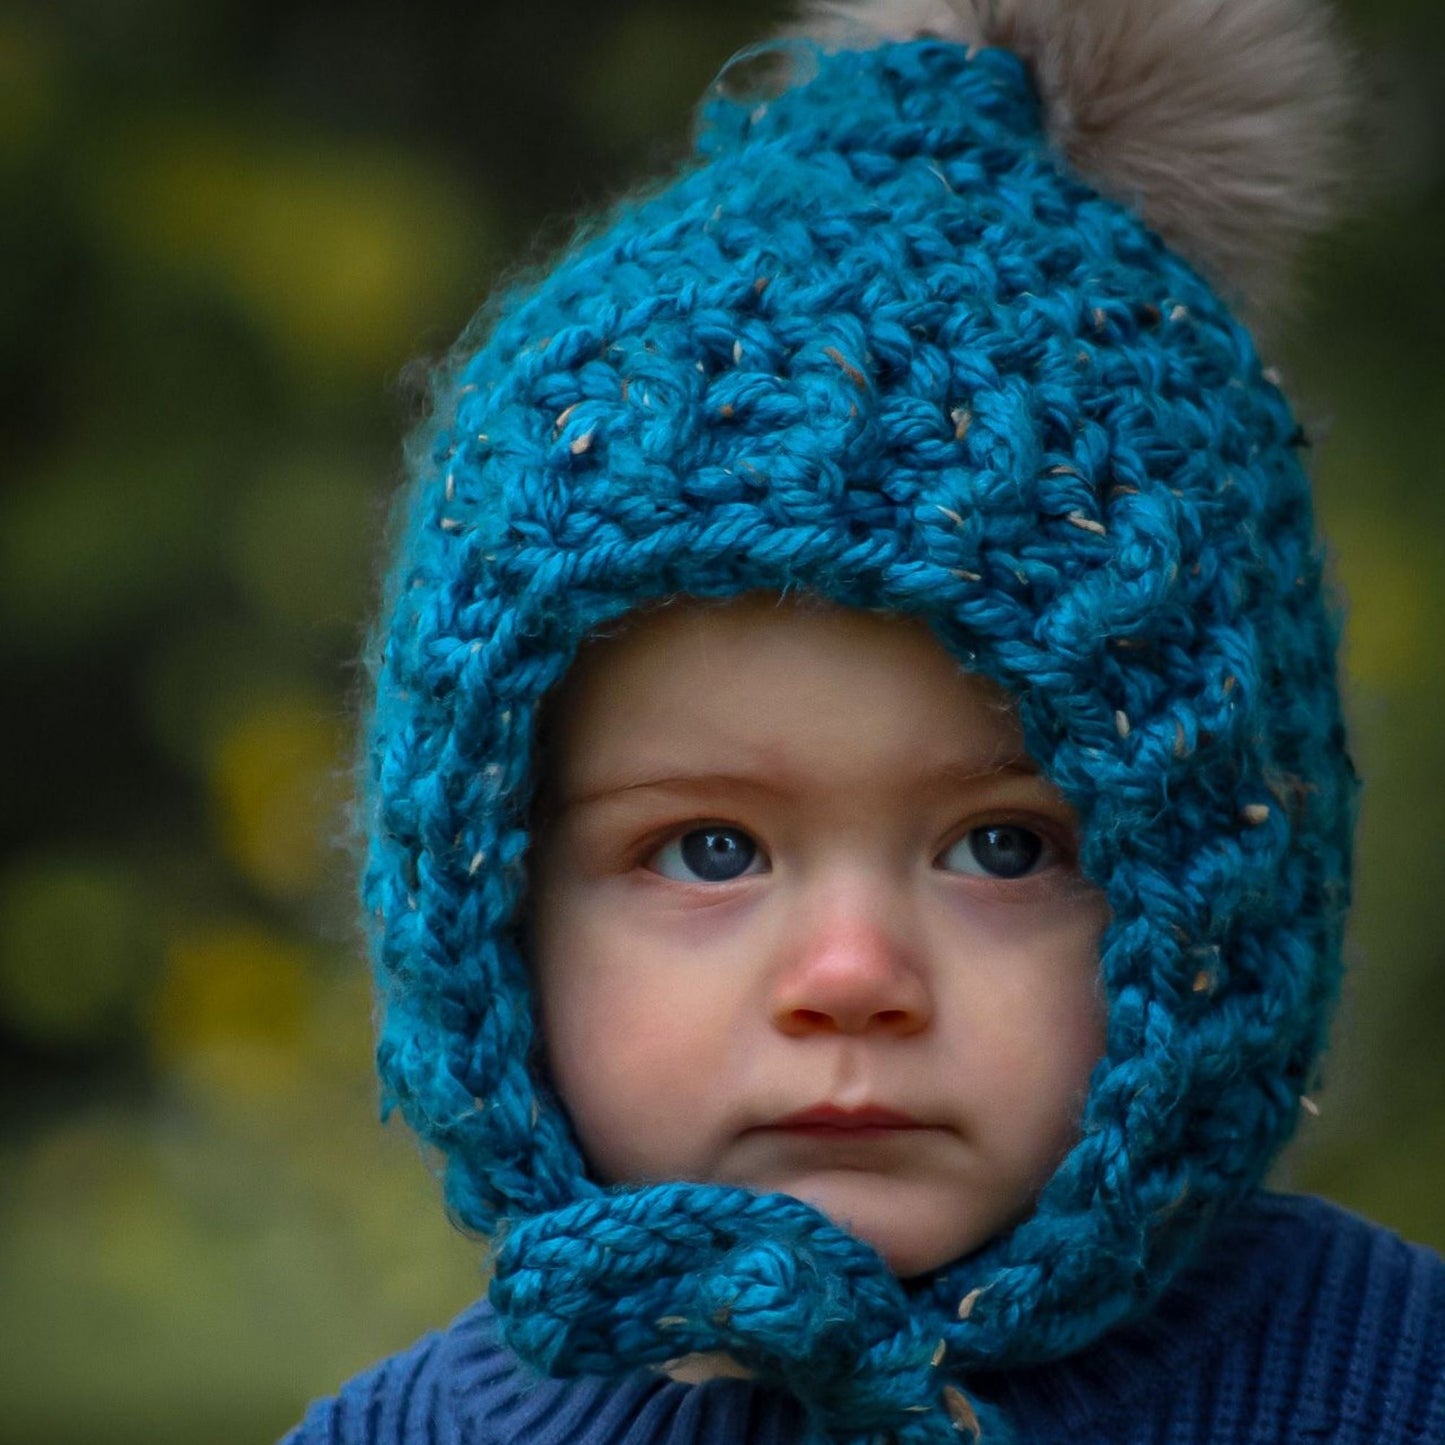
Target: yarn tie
642	1277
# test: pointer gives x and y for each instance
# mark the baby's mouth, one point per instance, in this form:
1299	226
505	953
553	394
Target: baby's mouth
833	1121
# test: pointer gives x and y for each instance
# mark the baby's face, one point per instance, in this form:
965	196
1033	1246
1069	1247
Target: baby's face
806	919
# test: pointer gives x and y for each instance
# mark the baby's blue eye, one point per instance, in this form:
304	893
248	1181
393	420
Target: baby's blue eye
707	855
997	850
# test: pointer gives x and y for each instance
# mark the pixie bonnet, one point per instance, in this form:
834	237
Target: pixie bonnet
940	318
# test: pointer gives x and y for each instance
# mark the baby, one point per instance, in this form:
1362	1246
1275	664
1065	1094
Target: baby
859	815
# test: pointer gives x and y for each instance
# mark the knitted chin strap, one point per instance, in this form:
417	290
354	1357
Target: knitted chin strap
654	1274
880	342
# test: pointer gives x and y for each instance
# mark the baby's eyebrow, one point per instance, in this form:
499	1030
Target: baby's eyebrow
709	782
962	770
972	770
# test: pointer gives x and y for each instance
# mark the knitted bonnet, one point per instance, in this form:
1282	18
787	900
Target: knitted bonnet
939	319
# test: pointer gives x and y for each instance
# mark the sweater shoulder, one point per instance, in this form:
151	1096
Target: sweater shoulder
1299	1323
1361	1281
404	1398
1366	1309
462	1386
1348	1327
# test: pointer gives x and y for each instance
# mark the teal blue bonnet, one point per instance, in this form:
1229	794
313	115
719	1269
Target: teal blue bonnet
879	341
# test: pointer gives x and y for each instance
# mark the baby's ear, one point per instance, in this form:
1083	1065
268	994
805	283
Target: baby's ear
1224	125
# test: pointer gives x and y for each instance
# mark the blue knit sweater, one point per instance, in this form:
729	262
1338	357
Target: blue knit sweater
1301	1325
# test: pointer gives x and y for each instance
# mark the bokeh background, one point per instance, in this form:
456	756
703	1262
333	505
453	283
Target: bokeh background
231	231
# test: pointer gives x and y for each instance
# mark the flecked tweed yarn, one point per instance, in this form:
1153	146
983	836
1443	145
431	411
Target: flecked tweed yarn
875	342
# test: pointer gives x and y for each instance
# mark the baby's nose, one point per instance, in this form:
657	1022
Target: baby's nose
853	970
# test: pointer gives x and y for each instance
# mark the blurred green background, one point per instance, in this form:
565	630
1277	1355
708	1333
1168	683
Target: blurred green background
229	234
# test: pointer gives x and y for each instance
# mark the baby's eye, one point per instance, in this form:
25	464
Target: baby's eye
997	850
707	855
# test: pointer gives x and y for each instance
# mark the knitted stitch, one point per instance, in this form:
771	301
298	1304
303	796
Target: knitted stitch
875	342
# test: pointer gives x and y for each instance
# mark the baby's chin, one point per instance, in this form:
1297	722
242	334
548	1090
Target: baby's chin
917	1226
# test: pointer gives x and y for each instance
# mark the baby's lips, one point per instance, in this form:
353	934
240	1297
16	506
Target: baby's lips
847	1118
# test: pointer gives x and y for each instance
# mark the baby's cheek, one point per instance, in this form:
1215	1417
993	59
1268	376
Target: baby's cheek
1033	1081
637	1072
1050	1105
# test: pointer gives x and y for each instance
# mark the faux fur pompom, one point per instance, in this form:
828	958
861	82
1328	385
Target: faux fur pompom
1222	122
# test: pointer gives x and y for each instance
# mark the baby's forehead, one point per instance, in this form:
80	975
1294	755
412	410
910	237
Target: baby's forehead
777	689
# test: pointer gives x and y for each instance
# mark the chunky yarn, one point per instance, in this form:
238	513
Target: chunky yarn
673	1270
878	342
